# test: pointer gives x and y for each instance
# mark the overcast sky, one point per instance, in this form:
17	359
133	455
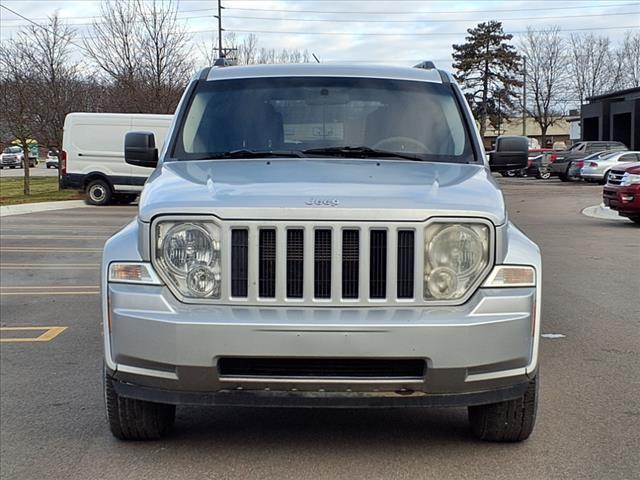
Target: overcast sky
400	32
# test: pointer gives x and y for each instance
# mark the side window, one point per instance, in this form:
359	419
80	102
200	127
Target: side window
629	157
593	148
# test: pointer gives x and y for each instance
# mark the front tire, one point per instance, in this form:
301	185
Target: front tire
544	175
131	419
98	193
509	421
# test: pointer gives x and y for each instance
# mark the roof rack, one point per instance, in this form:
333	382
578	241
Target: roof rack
427	65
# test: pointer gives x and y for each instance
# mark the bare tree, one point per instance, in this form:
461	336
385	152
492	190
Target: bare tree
629	60
245	51
116	43
594	68
143	52
18	89
543	52
165	60
62	86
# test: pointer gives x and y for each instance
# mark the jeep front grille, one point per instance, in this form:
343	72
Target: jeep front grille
317	263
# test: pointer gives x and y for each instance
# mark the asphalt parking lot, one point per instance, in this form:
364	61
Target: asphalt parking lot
51	411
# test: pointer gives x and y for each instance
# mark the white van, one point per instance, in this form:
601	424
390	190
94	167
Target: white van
93	154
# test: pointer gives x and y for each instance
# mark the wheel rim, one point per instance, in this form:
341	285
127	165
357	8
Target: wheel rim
97	193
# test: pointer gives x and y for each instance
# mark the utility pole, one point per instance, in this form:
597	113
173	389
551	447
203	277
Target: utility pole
220	52
524	99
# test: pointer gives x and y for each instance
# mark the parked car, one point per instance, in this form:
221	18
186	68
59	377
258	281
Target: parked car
561	164
576	165
598	170
92	157
52	158
622	191
322	235
539	163
13	157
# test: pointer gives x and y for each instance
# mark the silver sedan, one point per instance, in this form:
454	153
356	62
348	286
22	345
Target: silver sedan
598	170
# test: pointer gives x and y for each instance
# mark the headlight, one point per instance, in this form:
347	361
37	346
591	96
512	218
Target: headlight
630	179
455	256
188	254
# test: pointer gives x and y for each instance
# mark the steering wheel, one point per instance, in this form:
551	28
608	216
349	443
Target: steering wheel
401	143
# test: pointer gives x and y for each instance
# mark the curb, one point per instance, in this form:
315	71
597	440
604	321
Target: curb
21	209
603	213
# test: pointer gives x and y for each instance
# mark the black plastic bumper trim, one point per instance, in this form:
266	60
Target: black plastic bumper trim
246	398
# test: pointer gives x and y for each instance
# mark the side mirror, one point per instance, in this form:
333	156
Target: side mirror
140	149
511	153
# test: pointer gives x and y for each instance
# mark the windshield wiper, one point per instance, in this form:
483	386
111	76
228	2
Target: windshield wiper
243	153
362	152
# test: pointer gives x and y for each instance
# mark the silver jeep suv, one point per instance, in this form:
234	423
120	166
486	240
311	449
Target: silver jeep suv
322	236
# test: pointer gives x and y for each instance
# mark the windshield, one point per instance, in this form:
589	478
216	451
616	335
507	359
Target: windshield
12	150
302	114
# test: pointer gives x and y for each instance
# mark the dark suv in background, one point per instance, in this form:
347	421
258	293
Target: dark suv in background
578	151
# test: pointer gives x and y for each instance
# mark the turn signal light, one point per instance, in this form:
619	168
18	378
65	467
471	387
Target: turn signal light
131	272
511	276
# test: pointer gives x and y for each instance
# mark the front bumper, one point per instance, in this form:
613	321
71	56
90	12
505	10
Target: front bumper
158	343
10	162
625	200
268	398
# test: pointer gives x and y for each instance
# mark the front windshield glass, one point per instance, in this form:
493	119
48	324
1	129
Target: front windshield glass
302	113
12	150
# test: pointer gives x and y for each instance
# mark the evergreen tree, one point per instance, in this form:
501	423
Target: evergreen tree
488	68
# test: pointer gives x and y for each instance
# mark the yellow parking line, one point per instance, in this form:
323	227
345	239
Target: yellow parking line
49	334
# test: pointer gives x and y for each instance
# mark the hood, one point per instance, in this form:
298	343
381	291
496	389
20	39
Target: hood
322	189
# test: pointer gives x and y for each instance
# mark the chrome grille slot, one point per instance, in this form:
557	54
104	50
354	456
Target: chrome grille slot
350	263
295	263
239	262
405	264
267	263
378	264
322	264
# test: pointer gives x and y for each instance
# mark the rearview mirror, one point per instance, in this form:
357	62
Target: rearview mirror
140	149
511	153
